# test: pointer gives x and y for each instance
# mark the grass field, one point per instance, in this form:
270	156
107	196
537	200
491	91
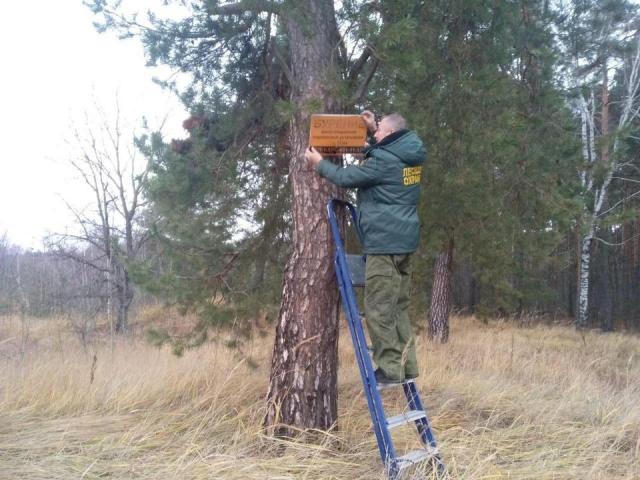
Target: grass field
505	402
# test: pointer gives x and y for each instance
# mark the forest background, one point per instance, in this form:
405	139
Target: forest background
529	110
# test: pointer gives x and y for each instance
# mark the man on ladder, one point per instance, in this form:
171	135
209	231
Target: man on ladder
388	183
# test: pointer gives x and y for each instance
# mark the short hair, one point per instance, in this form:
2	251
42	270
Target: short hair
396	121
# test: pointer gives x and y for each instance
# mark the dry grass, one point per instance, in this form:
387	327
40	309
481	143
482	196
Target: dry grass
505	402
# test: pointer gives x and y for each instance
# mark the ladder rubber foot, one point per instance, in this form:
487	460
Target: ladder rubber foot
404	418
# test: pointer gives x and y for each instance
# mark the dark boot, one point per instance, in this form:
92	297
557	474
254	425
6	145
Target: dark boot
383	379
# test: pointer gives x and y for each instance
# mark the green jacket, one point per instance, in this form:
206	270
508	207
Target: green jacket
388	183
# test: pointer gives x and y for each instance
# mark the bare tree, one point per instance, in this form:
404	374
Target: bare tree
25	307
111	167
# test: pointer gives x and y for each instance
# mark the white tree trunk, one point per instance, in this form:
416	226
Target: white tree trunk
583	287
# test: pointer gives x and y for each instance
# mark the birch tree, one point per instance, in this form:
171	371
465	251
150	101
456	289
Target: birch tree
114	171
603	43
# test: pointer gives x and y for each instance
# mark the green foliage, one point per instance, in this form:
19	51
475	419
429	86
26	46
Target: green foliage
159	338
219	198
483	83
476	81
221	223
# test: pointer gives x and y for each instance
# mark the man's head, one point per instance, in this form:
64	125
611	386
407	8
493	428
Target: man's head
388	125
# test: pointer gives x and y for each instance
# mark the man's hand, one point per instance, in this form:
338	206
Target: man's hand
313	157
369	120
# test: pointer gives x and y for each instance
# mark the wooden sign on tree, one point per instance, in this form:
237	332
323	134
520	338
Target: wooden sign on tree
337	134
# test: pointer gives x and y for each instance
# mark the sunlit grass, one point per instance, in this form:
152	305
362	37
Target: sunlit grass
505	402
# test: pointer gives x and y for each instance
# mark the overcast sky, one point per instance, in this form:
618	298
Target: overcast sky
53	62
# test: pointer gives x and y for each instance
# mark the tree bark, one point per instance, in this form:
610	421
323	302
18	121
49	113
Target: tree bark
636	257
628	255
583	284
441	296
635	294
303	381
125	297
601	192
606	308
569	275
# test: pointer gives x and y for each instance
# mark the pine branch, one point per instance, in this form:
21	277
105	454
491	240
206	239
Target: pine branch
617	204
284	66
362	88
360	63
624	179
617	244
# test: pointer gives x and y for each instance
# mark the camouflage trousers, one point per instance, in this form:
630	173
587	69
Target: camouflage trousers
386	303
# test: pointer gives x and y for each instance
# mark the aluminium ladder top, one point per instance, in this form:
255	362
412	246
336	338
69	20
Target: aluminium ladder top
350	272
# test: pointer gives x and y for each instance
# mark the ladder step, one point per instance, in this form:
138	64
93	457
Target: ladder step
383	386
404	418
416	456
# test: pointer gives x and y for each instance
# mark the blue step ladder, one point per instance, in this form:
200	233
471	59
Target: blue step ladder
350	270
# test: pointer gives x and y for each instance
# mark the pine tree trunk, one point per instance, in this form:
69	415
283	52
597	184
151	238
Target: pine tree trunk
628	257
568	276
636	257
303	381
441	296
125	297
607	292
635	294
